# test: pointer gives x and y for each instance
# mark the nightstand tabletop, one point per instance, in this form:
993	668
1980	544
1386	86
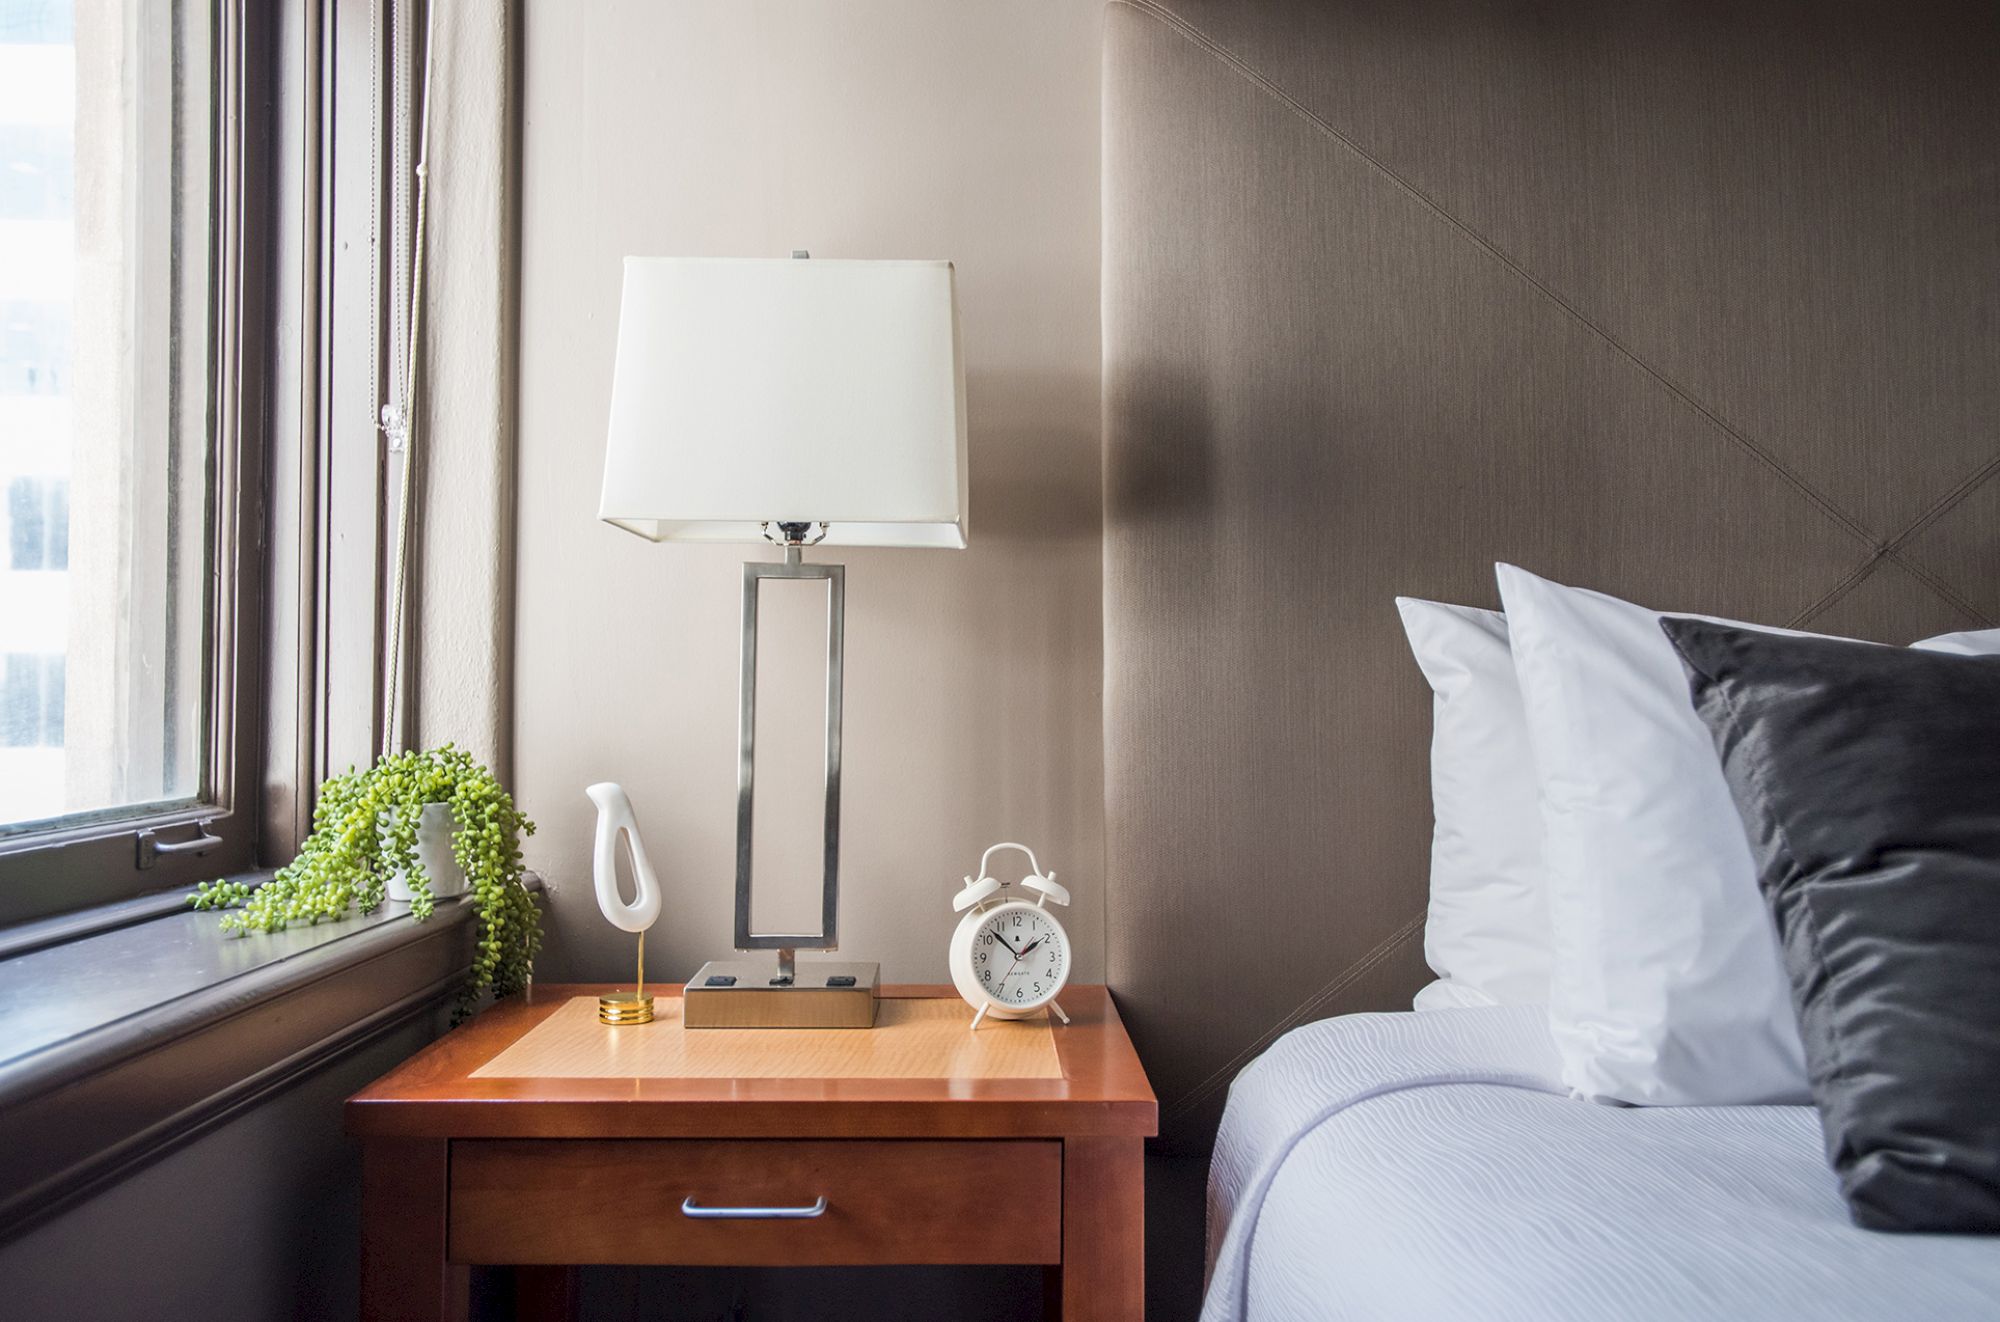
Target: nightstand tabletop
1102	1090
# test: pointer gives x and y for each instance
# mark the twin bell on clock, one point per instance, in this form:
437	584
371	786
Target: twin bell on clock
1009	957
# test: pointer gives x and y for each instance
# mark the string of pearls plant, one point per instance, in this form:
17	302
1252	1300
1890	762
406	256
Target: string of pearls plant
365	831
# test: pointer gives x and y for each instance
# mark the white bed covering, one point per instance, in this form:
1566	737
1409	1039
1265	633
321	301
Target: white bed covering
1420	1166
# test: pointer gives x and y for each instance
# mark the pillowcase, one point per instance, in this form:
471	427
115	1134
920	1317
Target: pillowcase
1487	932
1979	642
1444	994
1666	984
1869	780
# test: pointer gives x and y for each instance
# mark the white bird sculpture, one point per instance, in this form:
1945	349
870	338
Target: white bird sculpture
614	816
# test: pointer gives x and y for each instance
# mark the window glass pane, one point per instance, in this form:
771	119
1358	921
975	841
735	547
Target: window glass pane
27	526
105	267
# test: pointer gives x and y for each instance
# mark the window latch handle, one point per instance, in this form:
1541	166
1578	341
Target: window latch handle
151	847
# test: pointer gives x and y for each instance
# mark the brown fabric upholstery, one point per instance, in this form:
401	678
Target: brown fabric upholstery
1694	303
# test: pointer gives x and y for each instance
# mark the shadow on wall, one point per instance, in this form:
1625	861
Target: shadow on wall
1036	463
1160	462
1160	476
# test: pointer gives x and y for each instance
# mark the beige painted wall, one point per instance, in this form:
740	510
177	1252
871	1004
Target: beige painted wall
868	128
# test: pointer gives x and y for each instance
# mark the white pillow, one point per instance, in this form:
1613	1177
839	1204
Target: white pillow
1487	932
1444	994
1667	986
1979	642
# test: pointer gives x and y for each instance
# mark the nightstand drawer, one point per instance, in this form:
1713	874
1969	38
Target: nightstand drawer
755	1202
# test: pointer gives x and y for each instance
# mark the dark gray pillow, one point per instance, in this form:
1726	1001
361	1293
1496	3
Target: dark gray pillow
1869	780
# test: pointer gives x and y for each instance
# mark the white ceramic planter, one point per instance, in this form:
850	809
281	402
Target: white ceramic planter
434	853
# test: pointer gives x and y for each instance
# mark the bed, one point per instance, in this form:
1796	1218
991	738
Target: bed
1428	1165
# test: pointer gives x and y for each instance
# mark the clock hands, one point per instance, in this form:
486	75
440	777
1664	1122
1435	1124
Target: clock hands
1018	956
1008	974
1018	953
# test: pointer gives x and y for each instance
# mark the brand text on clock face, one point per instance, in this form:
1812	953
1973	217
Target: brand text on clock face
1018	957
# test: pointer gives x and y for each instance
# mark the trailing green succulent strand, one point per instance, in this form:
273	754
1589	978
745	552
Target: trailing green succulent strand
365	831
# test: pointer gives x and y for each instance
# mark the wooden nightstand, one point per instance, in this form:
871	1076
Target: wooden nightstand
471	1158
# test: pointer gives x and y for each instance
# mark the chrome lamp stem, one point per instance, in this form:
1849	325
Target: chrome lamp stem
795	538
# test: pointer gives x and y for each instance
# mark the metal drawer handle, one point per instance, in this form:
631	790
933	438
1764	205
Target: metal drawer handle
689	1207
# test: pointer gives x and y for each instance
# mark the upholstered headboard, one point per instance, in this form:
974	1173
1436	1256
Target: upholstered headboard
1694	303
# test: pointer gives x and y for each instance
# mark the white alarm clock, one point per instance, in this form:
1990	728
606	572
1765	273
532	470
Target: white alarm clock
1009	958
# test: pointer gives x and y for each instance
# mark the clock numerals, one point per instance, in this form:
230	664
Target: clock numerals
1018	957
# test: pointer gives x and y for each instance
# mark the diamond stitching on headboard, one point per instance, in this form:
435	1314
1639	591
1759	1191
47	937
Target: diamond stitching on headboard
1881	550
1302	1013
1896	547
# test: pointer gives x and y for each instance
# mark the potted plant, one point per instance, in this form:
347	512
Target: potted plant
369	831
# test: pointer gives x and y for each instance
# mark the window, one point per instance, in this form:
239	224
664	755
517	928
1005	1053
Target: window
199	232
106	156
128	224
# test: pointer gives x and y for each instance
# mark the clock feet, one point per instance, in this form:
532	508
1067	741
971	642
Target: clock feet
1054	1009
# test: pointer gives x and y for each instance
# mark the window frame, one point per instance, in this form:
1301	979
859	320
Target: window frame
301	204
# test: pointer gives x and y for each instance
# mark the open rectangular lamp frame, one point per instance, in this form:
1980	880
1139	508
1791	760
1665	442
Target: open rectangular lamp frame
828	936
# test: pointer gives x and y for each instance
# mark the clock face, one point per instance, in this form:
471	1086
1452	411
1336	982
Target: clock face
1019	956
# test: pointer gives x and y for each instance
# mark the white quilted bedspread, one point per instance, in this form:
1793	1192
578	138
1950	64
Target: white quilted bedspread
1383	1167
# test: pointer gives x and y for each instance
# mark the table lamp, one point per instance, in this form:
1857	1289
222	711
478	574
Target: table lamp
801	403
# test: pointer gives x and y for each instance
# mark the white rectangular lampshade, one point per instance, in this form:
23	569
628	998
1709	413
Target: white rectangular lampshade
751	390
